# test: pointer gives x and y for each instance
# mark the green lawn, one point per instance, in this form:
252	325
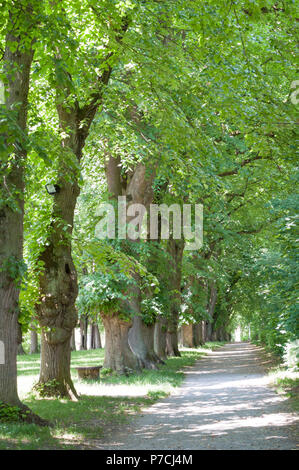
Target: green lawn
103	406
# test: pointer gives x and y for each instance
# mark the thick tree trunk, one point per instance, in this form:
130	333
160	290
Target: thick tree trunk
221	334
55	378
188	336
196	335
17	66
94	337
11	247
138	190
141	340
172	347
211	310
208	331
21	351
160	338
73	341
90	338
118	354
97	337
57	316
199	335
33	340
175	250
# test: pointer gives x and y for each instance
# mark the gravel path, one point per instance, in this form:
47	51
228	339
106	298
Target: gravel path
224	403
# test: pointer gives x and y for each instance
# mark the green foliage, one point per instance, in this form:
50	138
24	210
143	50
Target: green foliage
9	413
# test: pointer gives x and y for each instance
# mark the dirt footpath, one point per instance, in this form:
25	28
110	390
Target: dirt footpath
224	403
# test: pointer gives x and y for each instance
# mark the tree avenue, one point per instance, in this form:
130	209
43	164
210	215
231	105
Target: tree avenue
173	104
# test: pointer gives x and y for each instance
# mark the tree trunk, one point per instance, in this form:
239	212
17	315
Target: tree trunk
175	249
21	351
73	341
33	340
118	354
90	337
138	190
94	337
160	338
141	341
55	377
17	64
58	282
172	347
188	336
211	311
11	229
200	333
97	337
57	316
83	332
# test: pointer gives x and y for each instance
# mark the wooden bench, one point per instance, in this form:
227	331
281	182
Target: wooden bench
91	372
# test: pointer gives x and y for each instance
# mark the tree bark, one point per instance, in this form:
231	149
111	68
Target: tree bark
97	337
211	311
160	338
83	332
138	190
21	351
204	332
90	338
58	283
11	220
11	215
118	354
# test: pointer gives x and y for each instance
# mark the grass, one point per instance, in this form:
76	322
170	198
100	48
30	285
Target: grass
103	407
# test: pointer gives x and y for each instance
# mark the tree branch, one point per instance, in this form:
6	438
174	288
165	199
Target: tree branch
247	161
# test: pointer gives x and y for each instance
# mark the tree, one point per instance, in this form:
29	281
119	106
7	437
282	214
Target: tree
21	23
56	310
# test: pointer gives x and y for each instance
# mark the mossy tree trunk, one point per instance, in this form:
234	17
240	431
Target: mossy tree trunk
57	313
